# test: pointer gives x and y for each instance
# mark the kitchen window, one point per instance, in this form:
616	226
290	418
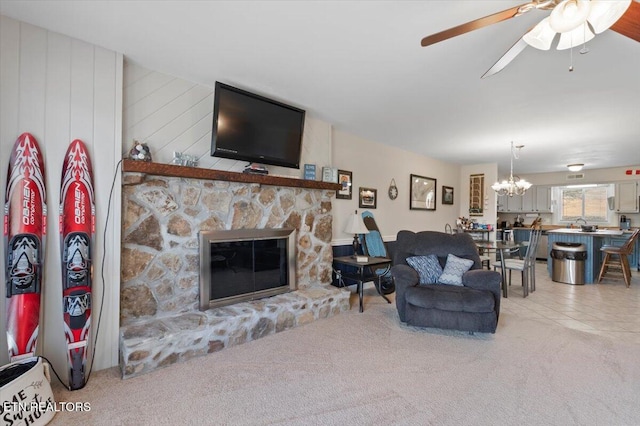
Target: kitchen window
588	202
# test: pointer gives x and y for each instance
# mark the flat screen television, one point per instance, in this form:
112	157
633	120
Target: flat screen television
253	128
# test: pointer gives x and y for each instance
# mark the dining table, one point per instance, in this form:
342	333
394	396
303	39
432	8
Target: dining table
504	249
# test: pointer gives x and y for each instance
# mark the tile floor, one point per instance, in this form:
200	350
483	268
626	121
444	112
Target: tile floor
608	308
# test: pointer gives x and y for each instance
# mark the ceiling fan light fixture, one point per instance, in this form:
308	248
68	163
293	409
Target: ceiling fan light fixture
575	167
578	36
605	13
569	15
588	17
541	36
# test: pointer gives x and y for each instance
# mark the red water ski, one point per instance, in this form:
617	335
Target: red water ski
25	229
77	230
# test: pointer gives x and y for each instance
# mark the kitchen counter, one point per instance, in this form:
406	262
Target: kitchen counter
592	241
597	232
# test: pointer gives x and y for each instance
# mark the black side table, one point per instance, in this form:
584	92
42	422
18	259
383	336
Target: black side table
361	277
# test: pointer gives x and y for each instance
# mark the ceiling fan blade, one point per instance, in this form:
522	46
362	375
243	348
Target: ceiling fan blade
470	26
629	23
509	56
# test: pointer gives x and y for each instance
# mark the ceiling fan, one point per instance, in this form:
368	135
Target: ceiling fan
577	21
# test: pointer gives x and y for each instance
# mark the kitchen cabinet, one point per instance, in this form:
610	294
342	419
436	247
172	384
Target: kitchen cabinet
536	200
627	197
501	201
529	200
542	202
510	204
521	235
514	204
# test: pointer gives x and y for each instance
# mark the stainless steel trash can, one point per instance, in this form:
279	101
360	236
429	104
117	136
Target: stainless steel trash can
568	260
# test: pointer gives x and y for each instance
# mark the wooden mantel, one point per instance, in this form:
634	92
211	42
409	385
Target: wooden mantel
209	174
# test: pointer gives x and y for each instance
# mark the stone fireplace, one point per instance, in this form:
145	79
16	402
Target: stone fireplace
165	209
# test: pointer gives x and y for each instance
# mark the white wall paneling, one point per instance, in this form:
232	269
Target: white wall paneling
141	82
107	134
53	140
9	125
32	63
167	113
190	132
60	89
9	87
170	114
133	73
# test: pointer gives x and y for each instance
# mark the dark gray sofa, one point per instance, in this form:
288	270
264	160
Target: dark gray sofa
474	306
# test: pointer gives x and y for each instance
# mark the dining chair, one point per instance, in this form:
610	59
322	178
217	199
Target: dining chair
616	256
526	265
485	260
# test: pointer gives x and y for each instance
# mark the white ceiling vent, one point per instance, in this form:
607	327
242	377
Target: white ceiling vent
575	176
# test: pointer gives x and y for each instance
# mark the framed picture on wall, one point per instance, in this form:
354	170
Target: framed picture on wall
368	198
345	179
476	195
447	194
422	193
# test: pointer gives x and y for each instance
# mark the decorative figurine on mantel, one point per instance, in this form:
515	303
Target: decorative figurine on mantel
181	159
140	152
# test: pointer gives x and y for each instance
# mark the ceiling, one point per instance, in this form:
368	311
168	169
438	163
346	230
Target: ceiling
359	66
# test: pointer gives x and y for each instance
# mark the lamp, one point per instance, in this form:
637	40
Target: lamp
574	20
575	167
355	226
512	186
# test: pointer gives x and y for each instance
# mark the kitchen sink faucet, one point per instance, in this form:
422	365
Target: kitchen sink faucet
581	220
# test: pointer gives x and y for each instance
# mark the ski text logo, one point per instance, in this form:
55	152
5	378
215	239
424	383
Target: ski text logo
79	205
28	201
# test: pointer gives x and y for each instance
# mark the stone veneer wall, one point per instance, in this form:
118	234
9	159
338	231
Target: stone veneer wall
159	316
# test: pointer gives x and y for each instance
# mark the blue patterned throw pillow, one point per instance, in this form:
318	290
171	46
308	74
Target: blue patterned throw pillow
427	267
454	270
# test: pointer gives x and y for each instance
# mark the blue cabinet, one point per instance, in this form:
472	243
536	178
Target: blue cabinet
593	242
521	235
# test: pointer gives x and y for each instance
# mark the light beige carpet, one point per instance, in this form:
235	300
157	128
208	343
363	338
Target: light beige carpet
367	368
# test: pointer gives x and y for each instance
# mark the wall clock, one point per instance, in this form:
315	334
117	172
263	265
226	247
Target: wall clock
393	190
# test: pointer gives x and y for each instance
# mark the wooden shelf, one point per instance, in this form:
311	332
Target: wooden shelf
171	170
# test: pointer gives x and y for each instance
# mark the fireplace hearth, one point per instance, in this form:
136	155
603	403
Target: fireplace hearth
245	264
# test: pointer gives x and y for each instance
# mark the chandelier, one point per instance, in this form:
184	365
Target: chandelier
512	186
577	21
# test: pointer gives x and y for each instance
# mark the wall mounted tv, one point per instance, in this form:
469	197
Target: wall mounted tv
253	128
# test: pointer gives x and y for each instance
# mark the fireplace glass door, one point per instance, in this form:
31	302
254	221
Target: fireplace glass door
240	265
247	266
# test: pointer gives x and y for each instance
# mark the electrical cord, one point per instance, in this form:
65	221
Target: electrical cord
104	255
54	371
104	251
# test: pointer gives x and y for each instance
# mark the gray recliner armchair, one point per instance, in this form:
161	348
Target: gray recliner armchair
472	306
